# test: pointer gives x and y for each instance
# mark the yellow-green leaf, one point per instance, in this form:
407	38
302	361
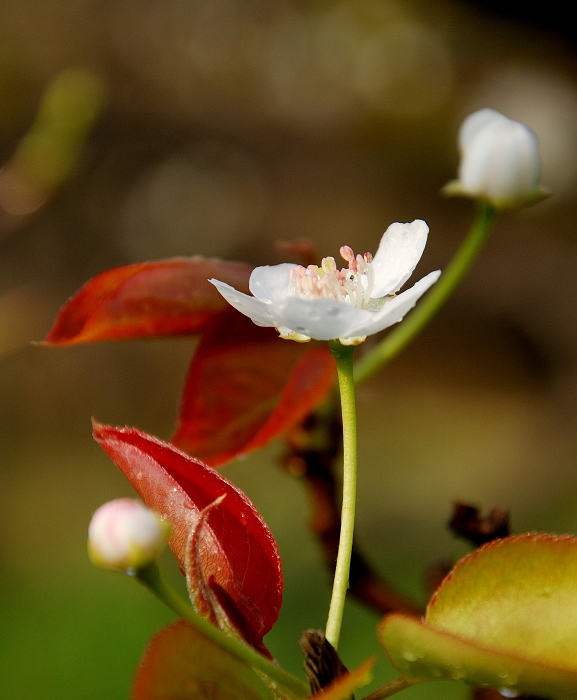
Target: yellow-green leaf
505	617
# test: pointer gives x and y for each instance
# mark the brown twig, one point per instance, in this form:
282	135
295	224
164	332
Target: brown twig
466	522
323	665
313	449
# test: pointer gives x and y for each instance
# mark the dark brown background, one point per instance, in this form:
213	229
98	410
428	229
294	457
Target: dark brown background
230	124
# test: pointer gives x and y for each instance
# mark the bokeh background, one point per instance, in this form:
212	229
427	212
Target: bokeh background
139	129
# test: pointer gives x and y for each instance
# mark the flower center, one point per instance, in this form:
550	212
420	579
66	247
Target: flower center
352	285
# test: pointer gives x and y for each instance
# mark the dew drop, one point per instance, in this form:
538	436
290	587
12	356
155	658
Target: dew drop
503	674
457	674
409	656
508	692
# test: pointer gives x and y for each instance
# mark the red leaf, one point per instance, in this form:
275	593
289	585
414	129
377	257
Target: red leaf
181	664
199	587
246	386
166	297
239	554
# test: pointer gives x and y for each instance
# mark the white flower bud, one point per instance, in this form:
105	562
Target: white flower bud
125	535
499	161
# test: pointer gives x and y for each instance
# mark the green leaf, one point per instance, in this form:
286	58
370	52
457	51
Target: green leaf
181	664
505	617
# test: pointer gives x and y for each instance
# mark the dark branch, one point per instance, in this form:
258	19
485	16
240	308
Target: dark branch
313	449
323	665
467	523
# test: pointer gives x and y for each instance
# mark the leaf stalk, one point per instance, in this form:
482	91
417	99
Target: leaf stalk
152	578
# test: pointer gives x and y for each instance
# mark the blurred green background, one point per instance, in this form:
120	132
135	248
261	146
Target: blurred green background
134	129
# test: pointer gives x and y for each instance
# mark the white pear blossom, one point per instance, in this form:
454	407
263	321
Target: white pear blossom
325	303
124	535
499	161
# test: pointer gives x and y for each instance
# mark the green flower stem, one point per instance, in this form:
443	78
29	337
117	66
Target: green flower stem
152	578
343	355
390	689
434	300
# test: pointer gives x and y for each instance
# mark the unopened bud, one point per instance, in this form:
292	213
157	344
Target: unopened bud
499	161
125	535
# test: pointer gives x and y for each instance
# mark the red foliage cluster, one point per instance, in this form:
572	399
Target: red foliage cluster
244	388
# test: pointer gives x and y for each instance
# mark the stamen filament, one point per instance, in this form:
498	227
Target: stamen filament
352	285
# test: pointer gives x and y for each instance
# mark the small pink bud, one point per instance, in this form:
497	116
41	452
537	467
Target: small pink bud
124	534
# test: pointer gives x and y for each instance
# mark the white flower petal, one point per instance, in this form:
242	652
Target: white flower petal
260	312
394	310
271	282
499	161
324	311
321	319
399	252
475	123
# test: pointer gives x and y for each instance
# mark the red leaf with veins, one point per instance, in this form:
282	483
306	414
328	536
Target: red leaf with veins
246	386
240	558
198	587
166	297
